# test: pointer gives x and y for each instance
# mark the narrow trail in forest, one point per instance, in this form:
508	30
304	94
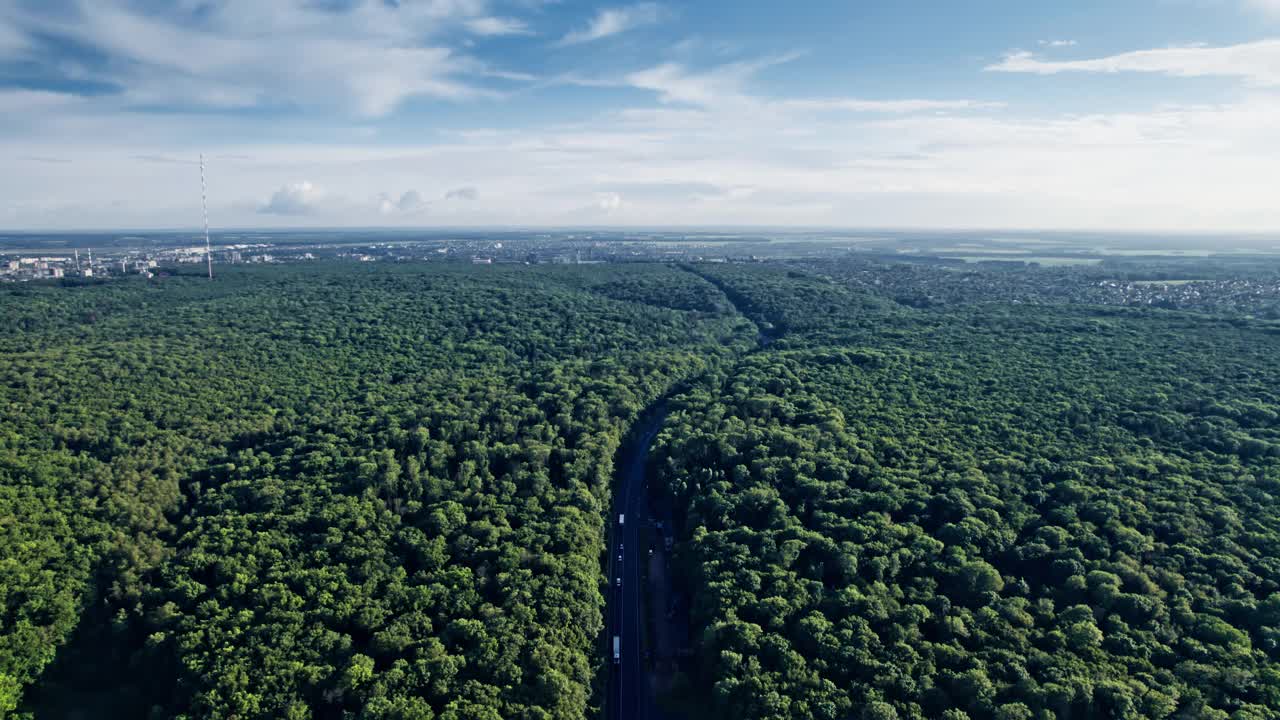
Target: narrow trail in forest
764	335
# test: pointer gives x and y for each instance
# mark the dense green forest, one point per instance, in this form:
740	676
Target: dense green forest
981	511
381	491
304	492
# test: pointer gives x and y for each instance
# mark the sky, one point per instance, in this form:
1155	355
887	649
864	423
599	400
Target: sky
1002	114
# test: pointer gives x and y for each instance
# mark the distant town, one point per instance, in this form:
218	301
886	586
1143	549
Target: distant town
52	257
922	269
20	266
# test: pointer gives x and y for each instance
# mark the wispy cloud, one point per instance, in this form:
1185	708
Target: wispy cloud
166	159
47	159
1200	167
1255	62
613	21
856	105
364	58
705	133
675	83
725	86
490	26
462	193
1270	7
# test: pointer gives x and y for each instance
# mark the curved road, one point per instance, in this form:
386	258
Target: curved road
630	693
629	697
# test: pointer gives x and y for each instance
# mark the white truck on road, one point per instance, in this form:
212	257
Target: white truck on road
617	650
622	519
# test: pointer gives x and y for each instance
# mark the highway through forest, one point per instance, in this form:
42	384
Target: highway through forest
629	696
631	680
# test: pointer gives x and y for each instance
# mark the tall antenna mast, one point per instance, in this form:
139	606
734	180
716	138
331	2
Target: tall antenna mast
204	206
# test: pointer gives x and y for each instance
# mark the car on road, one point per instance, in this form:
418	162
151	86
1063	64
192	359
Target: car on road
619	557
619	583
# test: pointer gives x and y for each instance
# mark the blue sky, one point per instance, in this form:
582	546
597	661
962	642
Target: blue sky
1123	114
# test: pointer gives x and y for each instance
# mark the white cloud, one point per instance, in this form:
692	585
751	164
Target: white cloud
299	198
412	202
721	85
613	21
1270	7
1185	167
608	201
490	26
724	86
409	202
1255	62
855	105
1058	43
706	148
245	53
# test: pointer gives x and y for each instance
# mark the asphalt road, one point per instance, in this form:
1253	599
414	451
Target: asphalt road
629	697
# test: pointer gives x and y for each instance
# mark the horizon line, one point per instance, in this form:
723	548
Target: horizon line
701	228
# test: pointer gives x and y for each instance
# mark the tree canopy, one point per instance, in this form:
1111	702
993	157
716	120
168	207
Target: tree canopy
981	511
382	491
324	491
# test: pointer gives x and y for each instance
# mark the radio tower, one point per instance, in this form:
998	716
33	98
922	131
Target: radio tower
204	206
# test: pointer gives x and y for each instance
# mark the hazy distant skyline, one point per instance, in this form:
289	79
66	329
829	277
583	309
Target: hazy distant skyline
997	114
